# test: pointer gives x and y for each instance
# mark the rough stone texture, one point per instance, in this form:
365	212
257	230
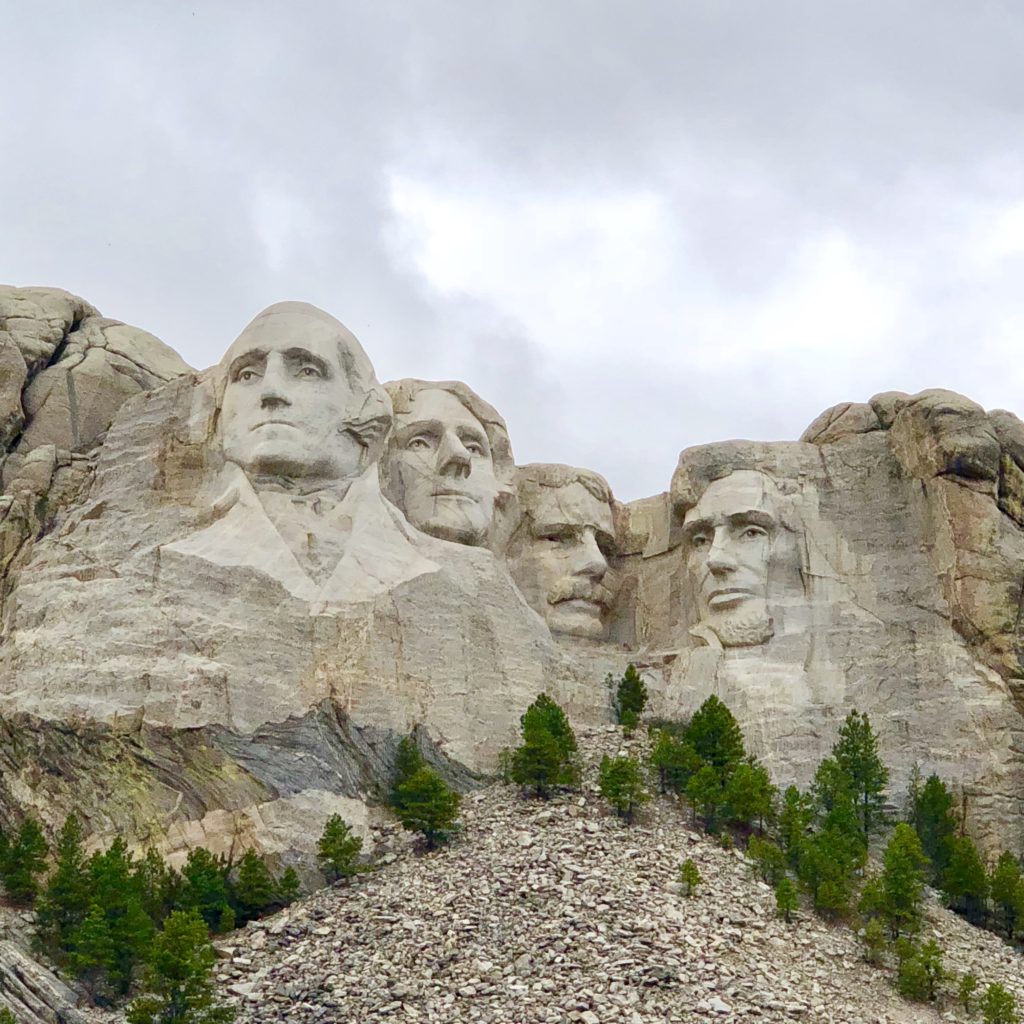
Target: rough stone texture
551	912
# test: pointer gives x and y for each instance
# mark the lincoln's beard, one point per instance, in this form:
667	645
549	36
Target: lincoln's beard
747	625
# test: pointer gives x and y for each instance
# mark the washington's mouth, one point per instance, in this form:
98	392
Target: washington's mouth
727	596
274	423
580	604
448	492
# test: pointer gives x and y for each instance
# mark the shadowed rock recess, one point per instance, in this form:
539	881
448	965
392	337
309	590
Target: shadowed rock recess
225	595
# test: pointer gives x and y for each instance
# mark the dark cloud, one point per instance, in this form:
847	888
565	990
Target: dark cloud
635	228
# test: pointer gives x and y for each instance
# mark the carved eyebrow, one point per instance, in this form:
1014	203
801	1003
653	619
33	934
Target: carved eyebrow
250	358
419	427
697	526
473	433
555	526
753	517
303	355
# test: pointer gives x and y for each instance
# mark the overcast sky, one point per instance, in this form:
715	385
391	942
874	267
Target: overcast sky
632	227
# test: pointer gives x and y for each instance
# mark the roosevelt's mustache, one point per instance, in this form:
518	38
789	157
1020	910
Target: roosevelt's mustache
576	588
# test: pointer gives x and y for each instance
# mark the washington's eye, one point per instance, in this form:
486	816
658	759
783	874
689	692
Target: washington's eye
310	371
247	374
475	447
555	537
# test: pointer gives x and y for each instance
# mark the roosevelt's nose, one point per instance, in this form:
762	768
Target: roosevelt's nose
589	560
273	387
453	458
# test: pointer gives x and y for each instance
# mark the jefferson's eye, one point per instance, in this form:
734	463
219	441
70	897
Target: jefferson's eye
418	444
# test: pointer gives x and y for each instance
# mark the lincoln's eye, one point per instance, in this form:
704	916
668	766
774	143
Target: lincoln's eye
699	540
753	532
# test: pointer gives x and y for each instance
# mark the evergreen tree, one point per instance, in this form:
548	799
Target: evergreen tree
64	902
92	956
205	889
873	936
114	888
965	882
832	788
768	860
254	890
339	847
966	990
6	1017
827	861
920	971
546	759
621	783
998	1006
177	986
856	754
795	817
288	888
704	791
630	698
1004	888
689	876
896	894
160	887
931	814
426	804
673	761
22	861
786	902
749	795
716	737
408	761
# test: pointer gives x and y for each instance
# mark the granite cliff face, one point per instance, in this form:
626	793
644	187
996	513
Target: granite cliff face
226	595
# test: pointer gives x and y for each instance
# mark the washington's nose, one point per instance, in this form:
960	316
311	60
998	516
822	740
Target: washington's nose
591	561
273	391
453	458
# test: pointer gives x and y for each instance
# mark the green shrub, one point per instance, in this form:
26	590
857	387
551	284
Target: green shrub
426	804
786	901
966	991
768	860
689	876
621	783
339	848
998	1006
546	759
630	698
22	861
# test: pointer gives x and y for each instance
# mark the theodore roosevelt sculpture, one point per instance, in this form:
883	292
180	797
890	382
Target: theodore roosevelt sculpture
448	463
302	423
559	553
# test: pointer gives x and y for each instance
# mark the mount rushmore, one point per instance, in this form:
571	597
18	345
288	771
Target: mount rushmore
225	595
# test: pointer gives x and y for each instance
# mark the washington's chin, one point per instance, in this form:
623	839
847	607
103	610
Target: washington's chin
577	618
275	456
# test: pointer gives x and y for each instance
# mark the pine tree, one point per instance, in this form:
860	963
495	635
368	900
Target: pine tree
786	899
795	817
750	796
621	783
874	939
339	848
768	860
6	1017
22	861
254	890
673	761
177	986
159	885
408	761
715	736
966	990
91	957
64	902
1004	888
920	971
856	754
630	698
965	882
288	887
546	759
205	888
900	888
931	814
689	877
827	861
426	804
998	1006
704	791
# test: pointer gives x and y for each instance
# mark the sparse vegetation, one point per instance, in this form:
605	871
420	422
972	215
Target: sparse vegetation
338	848
689	877
621	783
546	759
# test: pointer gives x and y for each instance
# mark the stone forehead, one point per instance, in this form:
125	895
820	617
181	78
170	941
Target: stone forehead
926	401
745	489
533	479
403	394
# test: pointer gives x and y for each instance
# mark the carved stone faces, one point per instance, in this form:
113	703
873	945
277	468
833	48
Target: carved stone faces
732	538
297	400
448	460
559	554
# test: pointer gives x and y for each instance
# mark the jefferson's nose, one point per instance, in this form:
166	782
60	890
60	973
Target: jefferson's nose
453	458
